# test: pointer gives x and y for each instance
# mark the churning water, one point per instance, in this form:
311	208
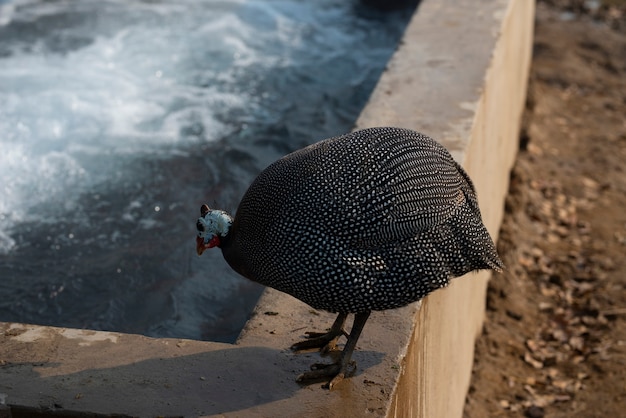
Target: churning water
119	118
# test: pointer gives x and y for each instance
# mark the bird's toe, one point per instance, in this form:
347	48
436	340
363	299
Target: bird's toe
336	372
325	342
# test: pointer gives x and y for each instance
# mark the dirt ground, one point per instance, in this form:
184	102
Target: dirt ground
554	342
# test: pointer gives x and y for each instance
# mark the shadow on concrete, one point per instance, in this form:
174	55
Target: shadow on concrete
208	383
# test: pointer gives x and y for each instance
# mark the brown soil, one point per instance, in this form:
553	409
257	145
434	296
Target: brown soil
554	342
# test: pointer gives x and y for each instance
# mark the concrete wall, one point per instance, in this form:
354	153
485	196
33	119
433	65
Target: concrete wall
460	77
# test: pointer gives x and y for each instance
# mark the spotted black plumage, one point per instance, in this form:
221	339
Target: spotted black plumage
371	220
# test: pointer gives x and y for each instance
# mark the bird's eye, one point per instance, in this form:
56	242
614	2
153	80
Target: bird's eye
200	226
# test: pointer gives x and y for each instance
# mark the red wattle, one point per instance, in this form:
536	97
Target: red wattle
201	246
215	242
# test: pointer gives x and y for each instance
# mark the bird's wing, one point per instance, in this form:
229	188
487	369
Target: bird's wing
386	191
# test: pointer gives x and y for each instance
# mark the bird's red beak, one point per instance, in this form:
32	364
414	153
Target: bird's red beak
201	246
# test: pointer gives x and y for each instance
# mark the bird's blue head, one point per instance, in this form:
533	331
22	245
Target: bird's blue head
212	225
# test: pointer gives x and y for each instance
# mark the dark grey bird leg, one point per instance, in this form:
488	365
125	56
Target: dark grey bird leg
324	341
344	367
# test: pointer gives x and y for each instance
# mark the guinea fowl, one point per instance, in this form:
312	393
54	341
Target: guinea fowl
368	221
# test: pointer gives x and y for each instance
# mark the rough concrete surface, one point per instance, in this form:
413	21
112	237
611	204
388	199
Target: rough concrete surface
468	91
113	373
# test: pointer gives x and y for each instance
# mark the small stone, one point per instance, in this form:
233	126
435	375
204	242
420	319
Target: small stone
532	345
513	314
528	358
560	384
534	411
545	306
577	343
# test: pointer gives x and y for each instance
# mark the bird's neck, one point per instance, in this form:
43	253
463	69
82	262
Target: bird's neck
231	250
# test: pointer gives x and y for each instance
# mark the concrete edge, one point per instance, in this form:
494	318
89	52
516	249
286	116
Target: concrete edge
439	358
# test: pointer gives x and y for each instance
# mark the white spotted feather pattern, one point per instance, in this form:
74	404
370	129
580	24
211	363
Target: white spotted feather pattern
371	220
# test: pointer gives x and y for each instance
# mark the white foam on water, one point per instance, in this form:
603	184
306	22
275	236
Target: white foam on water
143	79
119	117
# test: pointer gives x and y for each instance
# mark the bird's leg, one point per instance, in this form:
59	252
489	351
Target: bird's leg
324	341
344	367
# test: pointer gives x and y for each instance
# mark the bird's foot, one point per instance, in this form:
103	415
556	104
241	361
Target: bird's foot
326	342
335	371
344	367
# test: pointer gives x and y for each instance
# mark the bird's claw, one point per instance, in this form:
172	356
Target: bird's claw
313	334
325	341
344	367
336	371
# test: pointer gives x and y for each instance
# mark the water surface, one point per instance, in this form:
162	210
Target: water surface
119	118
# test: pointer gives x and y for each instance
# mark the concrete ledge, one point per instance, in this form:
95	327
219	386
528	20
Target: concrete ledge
459	76
467	89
